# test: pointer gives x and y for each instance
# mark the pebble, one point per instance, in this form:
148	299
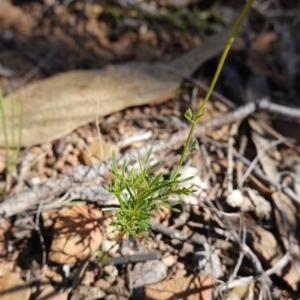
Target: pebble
209	263
176	242
187	248
162	246
110	246
87	293
180	265
102	284
88	278
110	233
54	276
169	261
119	289
110	279
111	271
126	251
150	272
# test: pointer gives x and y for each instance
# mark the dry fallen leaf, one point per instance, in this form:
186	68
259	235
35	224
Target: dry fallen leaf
287	222
12	287
242	292
76	234
285	214
264	41
268	251
189	288
269	164
55	106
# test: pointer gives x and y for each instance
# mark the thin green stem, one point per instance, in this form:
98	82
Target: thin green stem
147	193
3	121
213	83
12	142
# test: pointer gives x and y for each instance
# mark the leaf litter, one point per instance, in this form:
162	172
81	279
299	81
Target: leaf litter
240	227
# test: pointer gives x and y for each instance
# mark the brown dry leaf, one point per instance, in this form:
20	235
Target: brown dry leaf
268	251
53	107
258	65
264	41
242	292
12	287
265	245
286	213
77	234
188	288
287	222
6	267
98	151
297	179
261	142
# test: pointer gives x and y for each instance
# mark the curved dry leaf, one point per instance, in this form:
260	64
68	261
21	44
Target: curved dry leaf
55	106
76	234
268	251
191	288
286	216
12	287
242	292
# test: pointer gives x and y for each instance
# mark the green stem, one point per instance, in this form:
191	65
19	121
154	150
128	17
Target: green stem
4	122
213	83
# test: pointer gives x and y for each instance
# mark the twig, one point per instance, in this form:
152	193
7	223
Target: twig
246	280
81	174
242	148
276	13
172	233
292	112
263	104
256	159
258	172
241	256
233	131
133	258
137	137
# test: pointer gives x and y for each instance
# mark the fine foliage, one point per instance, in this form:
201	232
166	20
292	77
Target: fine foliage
140	193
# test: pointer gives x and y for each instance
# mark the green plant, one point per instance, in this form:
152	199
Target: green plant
13	141
139	193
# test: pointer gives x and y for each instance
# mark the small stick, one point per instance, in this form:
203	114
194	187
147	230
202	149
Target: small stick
172	233
53	187
133	258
